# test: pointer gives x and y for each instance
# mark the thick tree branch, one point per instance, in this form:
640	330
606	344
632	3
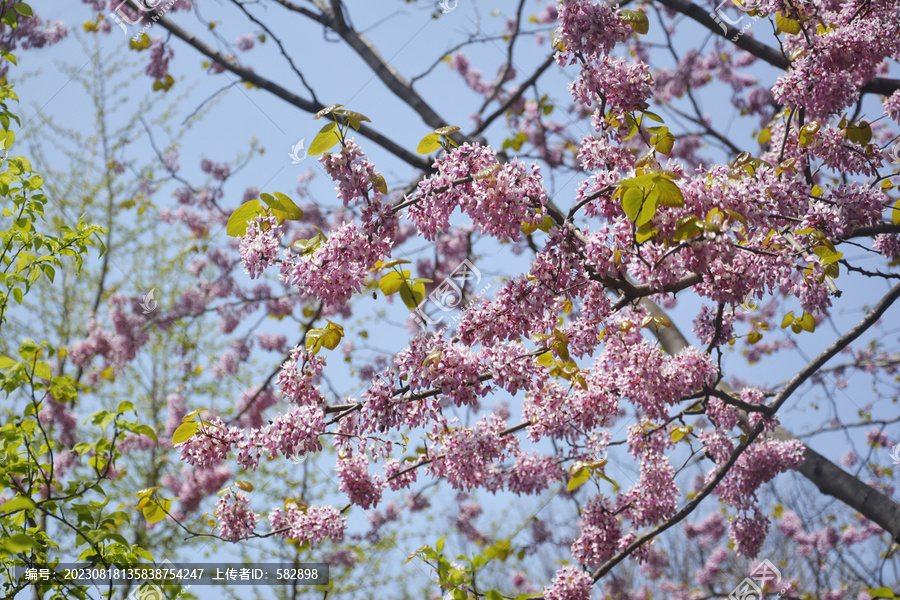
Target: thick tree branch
878	85
828	477
309	106
382	68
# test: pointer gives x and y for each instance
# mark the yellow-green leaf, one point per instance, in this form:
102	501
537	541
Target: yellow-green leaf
412	296
155	511
579	478
808	322
327	110
391	283
429	144
18	542
446	130
17	504
663	142
324	140
240	218
640	209
637	19
185	431
786	24
291	212
827	255
679	432
146	492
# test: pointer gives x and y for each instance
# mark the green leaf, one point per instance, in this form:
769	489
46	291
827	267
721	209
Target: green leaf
663	142
394	262
8	138
6	362
686	228
439	546
882	592
827	255
18	542
669	193
124	407
679	432
353	117
17	504
327	137
288	210
645	232
155	510
640	209
23	9
808	322
895	213
392	282
637	19
327	110
42	370
240	218
786	24
185	431
146	430
429	144
412	296
579	478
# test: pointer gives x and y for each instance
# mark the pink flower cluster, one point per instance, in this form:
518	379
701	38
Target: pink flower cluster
600	533
259	246
569	584
362	488
308	524
299	376
236	520
499	198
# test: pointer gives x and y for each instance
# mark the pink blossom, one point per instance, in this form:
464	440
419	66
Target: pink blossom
236	520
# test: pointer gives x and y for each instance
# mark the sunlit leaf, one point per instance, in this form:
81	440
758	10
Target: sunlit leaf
429	144
240	218
185	431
